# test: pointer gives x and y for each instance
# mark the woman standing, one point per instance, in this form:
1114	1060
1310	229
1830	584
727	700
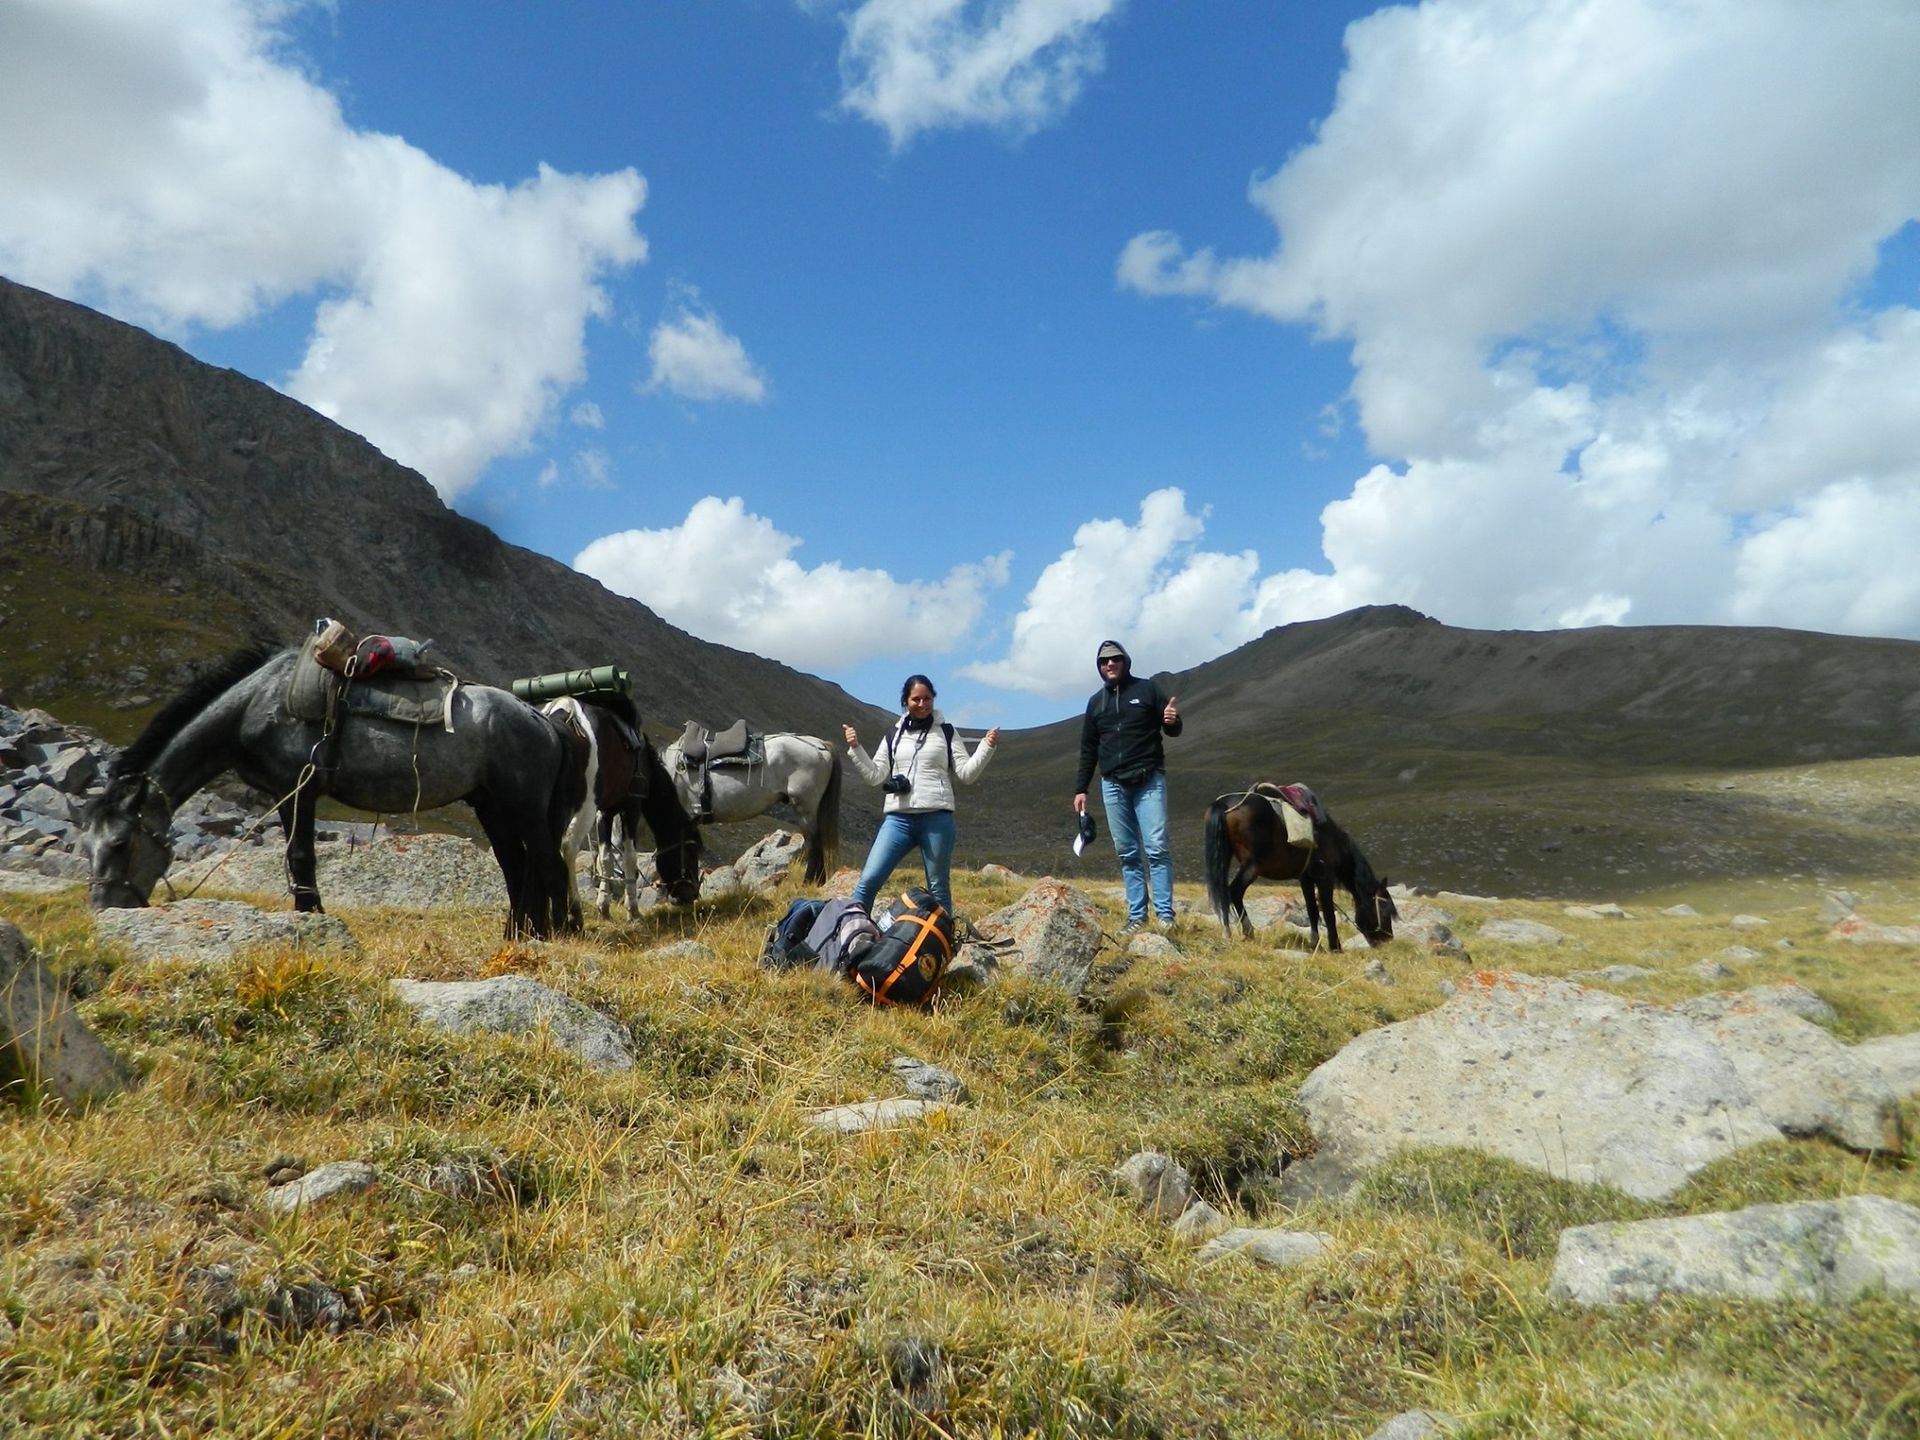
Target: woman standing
916	763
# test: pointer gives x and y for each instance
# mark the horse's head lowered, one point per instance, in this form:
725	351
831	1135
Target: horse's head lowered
125	833
676	838
1373	909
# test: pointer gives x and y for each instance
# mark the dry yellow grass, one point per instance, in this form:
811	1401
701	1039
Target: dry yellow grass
672	1251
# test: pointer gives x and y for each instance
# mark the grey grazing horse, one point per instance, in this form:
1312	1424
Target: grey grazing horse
522	774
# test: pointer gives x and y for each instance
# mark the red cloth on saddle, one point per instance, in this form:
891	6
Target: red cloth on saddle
1303	800
374	655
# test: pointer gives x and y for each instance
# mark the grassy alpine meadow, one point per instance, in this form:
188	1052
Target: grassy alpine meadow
671	1251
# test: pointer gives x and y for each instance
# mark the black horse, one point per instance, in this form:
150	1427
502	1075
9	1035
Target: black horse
522	774
1245	828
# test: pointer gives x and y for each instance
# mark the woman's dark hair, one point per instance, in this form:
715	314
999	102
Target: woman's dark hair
913	680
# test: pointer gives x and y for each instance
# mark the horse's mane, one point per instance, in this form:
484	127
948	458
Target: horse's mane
617	704
205	687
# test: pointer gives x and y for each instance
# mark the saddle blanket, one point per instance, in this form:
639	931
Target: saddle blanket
754	754
400	701
1298	808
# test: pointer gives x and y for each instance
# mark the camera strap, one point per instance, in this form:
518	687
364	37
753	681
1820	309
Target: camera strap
899	726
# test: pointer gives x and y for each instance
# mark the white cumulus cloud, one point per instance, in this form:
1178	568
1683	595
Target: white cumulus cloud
1150	586
170	161
1600	264
728	575
695	358
914	65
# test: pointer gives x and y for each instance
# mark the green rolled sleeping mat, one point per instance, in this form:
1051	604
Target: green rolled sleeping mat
599	680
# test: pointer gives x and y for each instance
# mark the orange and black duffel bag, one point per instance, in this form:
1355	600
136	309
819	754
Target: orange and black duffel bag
906	964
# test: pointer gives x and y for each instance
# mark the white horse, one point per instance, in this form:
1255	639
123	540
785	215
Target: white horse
580	827
802	770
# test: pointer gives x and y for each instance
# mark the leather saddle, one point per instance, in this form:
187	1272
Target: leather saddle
403	691
701	748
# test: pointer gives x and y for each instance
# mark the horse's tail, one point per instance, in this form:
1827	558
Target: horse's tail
823	836
1219	857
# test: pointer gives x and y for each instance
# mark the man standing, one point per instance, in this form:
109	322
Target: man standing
1121	733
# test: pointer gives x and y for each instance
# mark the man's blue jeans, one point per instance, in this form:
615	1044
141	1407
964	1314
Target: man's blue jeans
932	831
1137	820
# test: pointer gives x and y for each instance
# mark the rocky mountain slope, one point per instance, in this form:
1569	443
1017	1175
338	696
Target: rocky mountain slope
131	471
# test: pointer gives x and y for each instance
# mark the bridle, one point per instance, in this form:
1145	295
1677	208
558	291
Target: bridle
149	787
690	842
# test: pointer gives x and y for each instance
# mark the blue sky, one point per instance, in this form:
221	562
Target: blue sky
894	335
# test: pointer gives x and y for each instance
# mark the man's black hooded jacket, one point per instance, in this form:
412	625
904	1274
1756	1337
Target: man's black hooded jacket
1121	732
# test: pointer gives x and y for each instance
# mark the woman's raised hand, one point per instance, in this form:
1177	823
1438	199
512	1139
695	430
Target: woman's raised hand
991	738
853	740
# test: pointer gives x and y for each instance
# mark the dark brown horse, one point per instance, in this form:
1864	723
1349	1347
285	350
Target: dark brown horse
1245	829
631	785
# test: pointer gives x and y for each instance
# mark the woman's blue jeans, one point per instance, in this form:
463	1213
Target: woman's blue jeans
1137	820
932	832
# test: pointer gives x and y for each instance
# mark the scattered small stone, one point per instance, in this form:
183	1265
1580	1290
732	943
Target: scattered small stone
308	1305
766	863
1739	952
1836	905
1711	969
1416	1425
284	1170
516	1005
1146	945
1520	932
1159	1183
216	930
1051	934
683	950
929	1082
1823	1251
1748	922
875	1115
1679	911
1198	1223
1281	1249
44	1039
337	1177
1609	911
1616	974
721	882
1856	931
1377	972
